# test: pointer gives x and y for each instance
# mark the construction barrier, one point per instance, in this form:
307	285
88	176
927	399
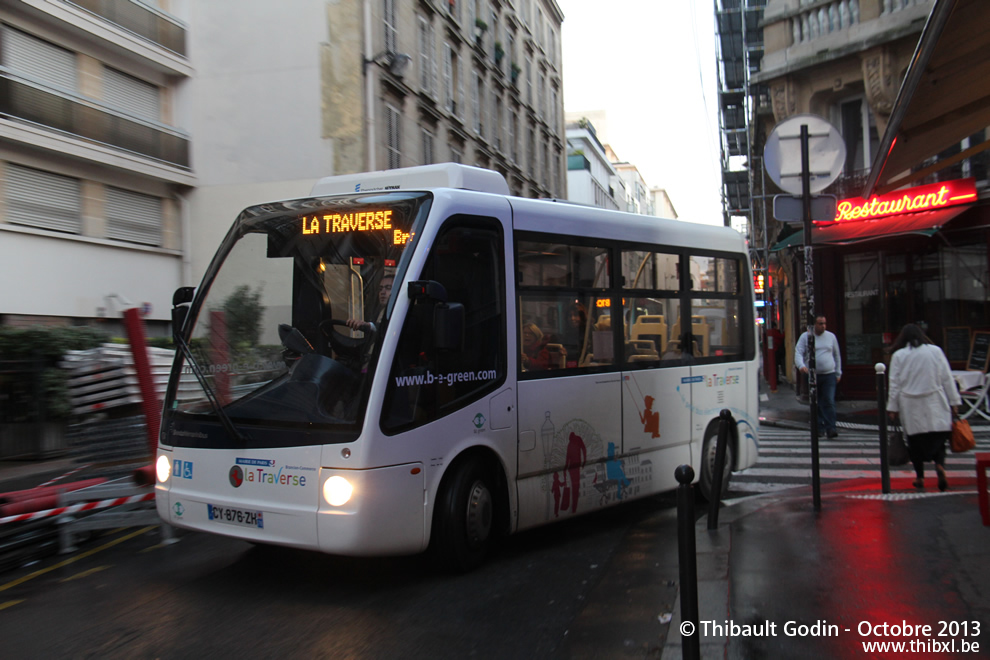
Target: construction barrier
76	508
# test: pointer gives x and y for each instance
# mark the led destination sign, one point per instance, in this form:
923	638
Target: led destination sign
359	221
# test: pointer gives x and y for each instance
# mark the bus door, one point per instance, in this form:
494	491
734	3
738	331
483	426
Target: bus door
569	388
656	396
443	395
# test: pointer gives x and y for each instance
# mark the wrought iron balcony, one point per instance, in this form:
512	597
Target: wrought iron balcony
31	102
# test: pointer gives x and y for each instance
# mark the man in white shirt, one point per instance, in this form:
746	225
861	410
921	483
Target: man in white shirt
828	369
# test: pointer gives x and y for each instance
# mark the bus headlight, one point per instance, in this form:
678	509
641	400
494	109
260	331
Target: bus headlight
337	491
162	468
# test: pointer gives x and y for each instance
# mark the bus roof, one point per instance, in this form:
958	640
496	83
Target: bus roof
592	222
422	177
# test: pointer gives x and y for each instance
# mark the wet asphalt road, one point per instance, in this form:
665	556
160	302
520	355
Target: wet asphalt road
595	585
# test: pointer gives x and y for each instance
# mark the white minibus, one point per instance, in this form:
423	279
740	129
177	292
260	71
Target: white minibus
415	359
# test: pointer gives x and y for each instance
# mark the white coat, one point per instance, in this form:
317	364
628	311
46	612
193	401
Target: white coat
922	389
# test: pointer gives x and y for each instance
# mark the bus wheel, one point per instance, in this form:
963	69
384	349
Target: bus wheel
463	519
708	449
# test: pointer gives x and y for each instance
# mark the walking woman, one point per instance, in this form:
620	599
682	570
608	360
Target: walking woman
923	392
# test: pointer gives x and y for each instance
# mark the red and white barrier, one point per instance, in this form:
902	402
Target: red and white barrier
75	508
63	476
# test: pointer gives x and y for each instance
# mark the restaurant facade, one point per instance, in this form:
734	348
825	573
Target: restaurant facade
904	84
916	255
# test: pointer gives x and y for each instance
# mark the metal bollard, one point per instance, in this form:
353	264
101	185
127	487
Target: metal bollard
882	412
687	560
724	421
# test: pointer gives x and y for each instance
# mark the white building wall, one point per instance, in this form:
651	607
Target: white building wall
83	277
254	110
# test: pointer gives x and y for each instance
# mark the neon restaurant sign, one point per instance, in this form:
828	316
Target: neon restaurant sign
910	200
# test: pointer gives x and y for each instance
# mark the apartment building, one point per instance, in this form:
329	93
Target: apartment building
133	131
591	177
467	81
93	161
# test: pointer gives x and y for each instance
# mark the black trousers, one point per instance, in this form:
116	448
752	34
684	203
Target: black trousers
924	447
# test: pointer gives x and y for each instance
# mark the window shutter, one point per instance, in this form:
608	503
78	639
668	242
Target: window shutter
42	199
38	59
133	217
131	95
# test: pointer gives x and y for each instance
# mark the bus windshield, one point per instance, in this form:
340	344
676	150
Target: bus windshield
287	324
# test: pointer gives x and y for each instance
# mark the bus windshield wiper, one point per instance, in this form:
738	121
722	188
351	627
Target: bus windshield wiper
228	425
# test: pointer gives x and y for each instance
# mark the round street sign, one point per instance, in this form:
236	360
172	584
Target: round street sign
782	153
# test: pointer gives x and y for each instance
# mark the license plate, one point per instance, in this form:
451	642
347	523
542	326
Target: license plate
232	516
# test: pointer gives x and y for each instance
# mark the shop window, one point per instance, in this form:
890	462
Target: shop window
863	341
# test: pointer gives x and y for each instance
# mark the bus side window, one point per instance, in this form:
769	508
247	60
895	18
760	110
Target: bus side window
426	383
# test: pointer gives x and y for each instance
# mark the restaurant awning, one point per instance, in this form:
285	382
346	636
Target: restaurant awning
924	223
943	99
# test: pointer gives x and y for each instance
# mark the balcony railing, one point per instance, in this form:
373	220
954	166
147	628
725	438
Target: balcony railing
818	18
824	18
141	20
31	102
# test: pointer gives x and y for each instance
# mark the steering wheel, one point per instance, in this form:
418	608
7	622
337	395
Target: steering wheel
341	343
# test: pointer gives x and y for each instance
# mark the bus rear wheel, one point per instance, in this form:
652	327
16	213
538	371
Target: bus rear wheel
708	449
463	521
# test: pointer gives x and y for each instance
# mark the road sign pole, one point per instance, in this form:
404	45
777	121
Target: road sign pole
809	277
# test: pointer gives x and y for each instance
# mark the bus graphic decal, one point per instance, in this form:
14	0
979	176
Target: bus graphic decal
577	456
649	418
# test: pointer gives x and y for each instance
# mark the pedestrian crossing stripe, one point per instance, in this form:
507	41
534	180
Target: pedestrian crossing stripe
785	460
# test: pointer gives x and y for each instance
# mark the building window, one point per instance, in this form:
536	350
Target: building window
38	59
131	95
553	109
391	33
511	137
859	130
456	155
529	81
541	106
427	57
449	83
133	217
476	100
393	137
427	147
42	199
546	165
531	153
497	122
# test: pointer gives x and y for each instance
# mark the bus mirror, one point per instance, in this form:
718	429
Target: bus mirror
448	326
427	289
180	307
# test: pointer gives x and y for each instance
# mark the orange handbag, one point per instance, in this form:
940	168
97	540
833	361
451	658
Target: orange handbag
962	436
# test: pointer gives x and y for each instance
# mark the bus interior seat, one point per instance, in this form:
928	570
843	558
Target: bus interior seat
651	327
641	350
700	329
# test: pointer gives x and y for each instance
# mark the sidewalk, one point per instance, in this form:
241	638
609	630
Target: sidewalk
864	560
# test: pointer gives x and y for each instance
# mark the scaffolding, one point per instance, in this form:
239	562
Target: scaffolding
739	51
